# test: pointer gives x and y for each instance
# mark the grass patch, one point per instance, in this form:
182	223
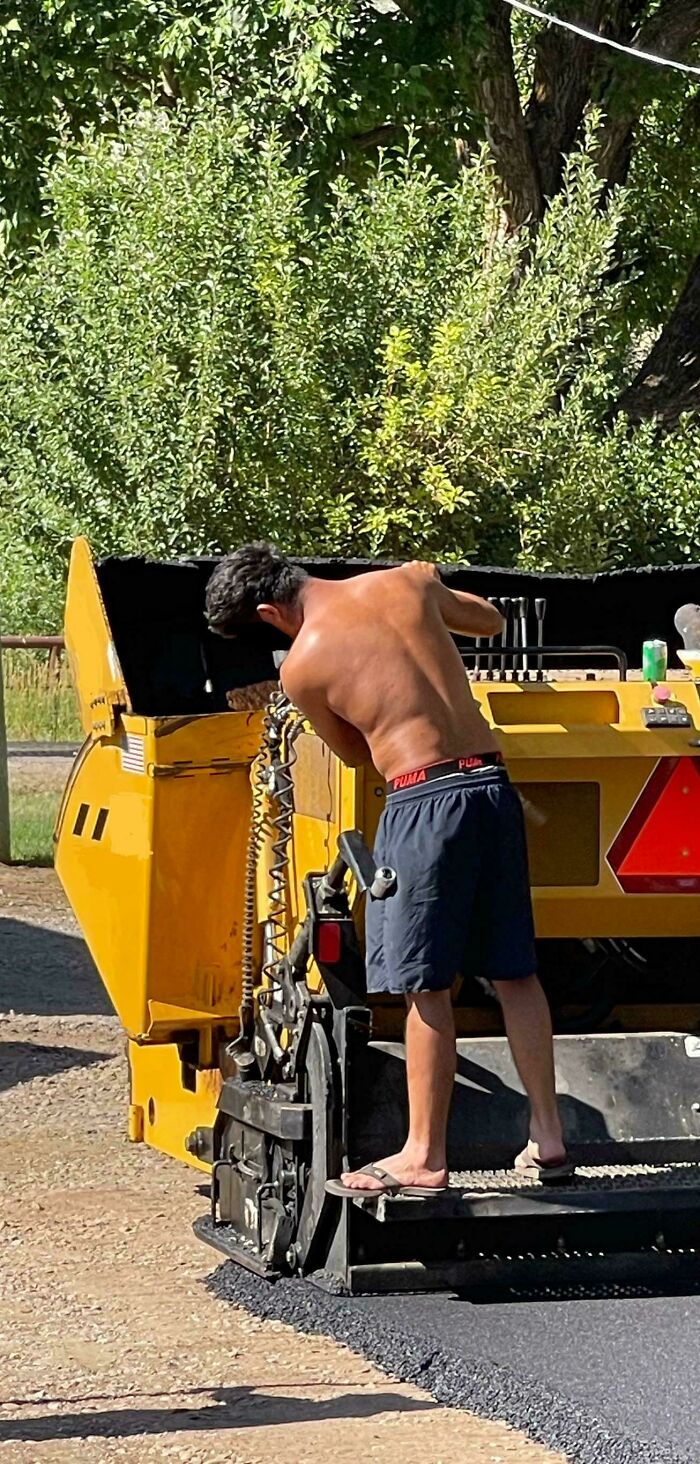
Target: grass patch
40	703
32	817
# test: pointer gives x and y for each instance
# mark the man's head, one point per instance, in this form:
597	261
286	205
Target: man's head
256	583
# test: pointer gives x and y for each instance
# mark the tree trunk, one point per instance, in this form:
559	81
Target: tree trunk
564	66
507	135
669	381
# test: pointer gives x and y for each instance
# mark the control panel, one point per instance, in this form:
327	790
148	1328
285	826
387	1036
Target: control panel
669	714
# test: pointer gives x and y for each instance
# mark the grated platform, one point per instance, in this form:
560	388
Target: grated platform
588	1177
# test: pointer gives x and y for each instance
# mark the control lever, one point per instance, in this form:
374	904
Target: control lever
540	611
377	881
505	608
353	855
523	607
498	673
491	643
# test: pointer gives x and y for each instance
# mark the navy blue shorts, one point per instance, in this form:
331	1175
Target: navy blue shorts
462	900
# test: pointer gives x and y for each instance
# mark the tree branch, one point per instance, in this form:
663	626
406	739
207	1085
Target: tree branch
669	381
672	31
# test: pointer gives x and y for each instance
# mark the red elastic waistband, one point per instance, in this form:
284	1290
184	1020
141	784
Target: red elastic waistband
433	772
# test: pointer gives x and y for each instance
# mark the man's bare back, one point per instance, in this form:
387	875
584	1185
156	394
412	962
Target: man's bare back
376	671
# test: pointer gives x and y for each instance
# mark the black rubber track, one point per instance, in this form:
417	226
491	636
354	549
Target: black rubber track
454	1377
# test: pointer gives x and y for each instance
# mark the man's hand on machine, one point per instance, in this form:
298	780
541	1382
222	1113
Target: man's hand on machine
251	698
463	614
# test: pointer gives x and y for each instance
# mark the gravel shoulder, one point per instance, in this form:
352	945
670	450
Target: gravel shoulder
111	1346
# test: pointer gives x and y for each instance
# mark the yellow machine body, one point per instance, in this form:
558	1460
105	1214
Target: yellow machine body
154	828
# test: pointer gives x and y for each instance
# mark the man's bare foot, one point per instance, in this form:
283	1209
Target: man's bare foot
403	1168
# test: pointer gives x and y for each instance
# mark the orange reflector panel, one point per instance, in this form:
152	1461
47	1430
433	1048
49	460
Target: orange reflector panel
657	850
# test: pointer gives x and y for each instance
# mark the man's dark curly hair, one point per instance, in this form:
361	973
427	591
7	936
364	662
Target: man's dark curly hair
255	574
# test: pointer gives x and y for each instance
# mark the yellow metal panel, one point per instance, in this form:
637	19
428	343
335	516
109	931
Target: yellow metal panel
169	1110
575	729
200	830
160	894
97	674
109	888
314	777
552	810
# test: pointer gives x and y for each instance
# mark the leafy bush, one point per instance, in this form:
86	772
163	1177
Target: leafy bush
199	358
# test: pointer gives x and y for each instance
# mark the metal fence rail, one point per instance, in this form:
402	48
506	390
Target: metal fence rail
32	643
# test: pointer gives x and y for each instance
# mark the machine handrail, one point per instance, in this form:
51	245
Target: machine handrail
499	653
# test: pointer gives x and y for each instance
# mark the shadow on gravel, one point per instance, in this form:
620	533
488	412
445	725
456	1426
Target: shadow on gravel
237	1408
47	973
22	1061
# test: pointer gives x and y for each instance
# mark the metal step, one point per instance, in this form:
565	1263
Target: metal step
236	1247
595	1189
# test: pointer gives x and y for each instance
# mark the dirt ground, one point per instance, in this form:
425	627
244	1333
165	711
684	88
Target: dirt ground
110	1346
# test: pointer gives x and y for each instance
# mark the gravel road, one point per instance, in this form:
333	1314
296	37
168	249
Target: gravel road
112	1346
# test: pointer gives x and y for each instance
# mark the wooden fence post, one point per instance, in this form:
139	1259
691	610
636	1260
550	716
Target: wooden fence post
4	780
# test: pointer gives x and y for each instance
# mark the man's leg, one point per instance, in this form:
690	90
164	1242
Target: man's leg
529	1030
430	1070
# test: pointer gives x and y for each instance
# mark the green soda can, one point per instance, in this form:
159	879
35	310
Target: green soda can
654	660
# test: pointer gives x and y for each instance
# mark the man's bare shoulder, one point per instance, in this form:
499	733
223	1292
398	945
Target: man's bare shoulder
419	580
412	569
383	581
302	668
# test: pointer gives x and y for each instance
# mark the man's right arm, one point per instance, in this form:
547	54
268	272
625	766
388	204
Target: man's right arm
466	614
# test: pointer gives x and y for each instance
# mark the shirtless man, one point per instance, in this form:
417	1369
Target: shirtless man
374	668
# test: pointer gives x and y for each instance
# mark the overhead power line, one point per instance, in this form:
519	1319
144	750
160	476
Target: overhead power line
589	35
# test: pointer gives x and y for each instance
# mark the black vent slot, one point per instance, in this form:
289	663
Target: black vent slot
80	818
100	822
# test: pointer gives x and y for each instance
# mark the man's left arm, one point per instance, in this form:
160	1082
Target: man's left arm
343	739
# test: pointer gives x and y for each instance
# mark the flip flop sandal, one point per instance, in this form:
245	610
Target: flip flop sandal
389	1186
545	1173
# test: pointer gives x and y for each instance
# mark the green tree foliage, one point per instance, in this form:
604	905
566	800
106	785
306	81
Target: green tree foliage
364	274
197	359
334	75
341	78
64	67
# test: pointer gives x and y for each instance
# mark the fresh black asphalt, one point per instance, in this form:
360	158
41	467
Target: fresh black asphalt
611	1379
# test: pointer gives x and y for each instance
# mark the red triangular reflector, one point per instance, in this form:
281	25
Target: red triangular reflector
657	850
